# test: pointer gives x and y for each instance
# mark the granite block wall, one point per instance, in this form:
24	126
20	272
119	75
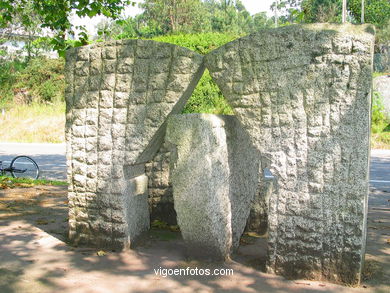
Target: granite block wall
303	95
118	96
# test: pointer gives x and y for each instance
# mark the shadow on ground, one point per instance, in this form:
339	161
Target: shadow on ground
35	256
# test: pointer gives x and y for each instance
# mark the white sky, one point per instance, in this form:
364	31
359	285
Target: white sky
253	6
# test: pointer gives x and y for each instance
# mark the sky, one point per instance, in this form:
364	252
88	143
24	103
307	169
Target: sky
253	6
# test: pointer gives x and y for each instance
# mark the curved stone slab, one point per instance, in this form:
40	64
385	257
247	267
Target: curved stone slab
303	94
118	96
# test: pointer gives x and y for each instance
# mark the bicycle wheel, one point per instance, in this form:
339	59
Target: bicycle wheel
23	166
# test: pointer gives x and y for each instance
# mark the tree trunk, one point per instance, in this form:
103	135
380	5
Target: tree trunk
344	17
276	12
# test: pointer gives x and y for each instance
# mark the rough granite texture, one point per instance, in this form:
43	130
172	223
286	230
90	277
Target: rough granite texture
303	95
161	205
118	96
160	188
258	217
160	192
214	176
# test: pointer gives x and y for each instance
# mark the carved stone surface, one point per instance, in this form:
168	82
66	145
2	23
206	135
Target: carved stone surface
118	96
303	95
214	179
160	188
258	217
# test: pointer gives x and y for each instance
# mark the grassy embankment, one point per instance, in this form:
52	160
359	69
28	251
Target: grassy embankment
380	125
33	123
31	101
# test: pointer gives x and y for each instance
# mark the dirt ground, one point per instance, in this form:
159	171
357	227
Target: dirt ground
35	257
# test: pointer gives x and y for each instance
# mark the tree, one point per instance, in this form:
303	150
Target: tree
173	16
229	16
287	12
29	32
322	10
260	20
55	15
376	11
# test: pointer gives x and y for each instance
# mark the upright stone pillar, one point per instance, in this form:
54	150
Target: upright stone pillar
214	178
303	95
118	96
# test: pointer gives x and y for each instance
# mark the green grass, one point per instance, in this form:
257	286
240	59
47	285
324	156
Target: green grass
376	74
380	140
10	182
34	123
380	124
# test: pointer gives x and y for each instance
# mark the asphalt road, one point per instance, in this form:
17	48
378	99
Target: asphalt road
49	157
52	162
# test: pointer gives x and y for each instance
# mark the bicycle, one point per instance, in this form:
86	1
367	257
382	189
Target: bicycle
21	166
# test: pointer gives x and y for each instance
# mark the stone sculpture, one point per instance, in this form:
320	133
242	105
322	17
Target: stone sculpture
301	95
118	97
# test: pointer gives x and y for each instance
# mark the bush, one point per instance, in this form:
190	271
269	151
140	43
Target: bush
207	98
200	43
40	80
44	79
379	121
8	77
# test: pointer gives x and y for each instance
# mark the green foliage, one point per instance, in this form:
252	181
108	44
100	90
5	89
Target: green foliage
42	78
173	16
200	43
293	11
322	10
27	22
206	98
383	34
376	74
8	77
228	16
56	14
379	122
375	11
289	12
